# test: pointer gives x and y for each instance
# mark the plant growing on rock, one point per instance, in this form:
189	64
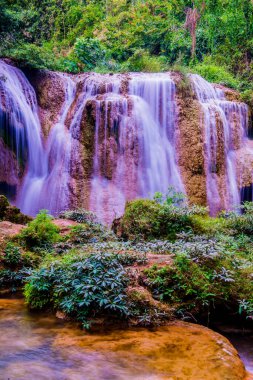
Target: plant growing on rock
95	285
11	213
205	276
12	255
40	232
79	215
161	218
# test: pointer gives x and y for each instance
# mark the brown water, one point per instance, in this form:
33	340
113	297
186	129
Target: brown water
42	347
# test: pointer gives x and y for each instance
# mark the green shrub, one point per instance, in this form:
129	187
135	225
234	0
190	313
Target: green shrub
206	275
3	206
11	213
141	60
215	74
241	221
90	52
12	279
91	233
12	255
141	218
80	216
40	232
82	288
207	225
161	218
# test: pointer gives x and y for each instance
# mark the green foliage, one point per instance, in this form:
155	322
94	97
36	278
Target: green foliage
73	35
206	275
163	217
91	233
82	289
11	280
216	74
141	60
40	232
80	216
89	230
241	221
141	217
203	224
90	52
3	206
11	213
12	255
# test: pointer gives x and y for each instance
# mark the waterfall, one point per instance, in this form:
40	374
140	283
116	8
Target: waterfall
117	138
222	188
55	194
155	117
21	131
143	123
49	189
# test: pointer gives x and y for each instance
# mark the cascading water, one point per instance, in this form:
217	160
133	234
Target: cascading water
118	138
55	194
222	187
49	189
154	108
144	124
21	131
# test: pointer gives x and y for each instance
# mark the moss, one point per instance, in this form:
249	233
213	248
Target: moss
207	225
3	206
11	213
148	219
141	217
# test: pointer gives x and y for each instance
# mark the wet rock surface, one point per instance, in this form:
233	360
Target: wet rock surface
42	346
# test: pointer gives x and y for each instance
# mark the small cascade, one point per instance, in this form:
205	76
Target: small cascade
55	194
154	108
108	185
50	189
225	125
21	131
135	138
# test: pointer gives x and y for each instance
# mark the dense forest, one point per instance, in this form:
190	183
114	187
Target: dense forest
212	37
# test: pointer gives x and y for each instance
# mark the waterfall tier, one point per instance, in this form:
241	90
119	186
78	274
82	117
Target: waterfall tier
97	141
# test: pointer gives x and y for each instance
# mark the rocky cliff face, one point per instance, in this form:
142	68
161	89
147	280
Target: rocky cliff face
111	138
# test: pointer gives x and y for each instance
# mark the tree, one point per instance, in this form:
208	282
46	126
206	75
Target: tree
193	16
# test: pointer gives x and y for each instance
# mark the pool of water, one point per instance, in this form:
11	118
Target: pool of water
40	346
243	342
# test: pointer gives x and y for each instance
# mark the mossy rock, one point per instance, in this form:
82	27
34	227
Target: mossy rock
11	213
207	225
3	206
148	220
141	218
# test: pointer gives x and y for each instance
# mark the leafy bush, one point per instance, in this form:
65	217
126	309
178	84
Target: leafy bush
3	206
216	74
163	217
40	232
90	233
241	221
12	279
204	224
206	275
80	216
90	52
141	218
89	230
12	255
141	60
83	289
